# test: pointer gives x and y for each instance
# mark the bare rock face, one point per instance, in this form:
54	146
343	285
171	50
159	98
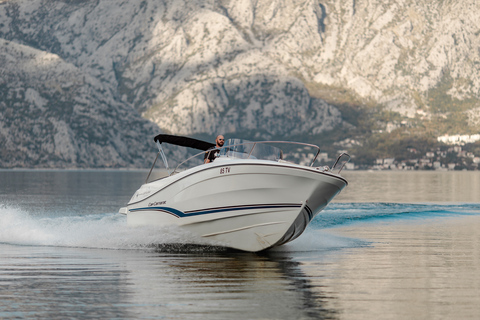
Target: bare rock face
82	68
53	115
397	51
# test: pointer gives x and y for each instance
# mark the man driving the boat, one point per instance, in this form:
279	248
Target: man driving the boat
213	152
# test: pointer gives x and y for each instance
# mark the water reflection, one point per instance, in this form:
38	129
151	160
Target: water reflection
219	285
418	270
60	283
420	267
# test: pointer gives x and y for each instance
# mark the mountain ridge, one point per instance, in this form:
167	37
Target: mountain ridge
258	68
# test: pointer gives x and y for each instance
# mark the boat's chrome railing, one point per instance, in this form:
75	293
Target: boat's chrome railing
262	150
164	159
199	156
198	161
340	163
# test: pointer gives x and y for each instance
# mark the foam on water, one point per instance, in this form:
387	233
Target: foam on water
109	231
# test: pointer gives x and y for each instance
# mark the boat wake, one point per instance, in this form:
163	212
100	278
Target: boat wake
102	231
340	214
110	231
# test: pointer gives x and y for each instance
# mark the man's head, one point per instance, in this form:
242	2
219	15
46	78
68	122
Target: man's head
220	140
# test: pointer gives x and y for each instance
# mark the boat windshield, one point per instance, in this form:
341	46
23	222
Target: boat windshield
244	149
293	152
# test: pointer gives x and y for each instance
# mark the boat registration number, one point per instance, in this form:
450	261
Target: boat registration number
224	170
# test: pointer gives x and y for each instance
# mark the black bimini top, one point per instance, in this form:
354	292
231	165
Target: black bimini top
184	141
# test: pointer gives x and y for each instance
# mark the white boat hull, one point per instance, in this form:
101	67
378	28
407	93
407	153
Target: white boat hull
243	204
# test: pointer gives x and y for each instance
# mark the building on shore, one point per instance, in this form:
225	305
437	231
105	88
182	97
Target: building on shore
459	139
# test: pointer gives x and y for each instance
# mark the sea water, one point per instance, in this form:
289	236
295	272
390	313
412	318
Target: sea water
391	246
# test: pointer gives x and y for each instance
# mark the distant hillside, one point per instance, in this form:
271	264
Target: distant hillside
77	75
53	115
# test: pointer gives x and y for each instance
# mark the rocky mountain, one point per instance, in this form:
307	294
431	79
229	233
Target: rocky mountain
85	70
54	115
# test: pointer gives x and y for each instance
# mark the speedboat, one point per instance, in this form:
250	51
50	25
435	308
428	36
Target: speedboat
252	197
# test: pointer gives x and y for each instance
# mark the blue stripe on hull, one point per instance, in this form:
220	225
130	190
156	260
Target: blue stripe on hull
181	214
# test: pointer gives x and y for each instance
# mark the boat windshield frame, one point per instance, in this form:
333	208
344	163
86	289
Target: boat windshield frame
260	150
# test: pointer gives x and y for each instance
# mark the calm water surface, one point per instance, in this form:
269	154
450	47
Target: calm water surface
393	245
